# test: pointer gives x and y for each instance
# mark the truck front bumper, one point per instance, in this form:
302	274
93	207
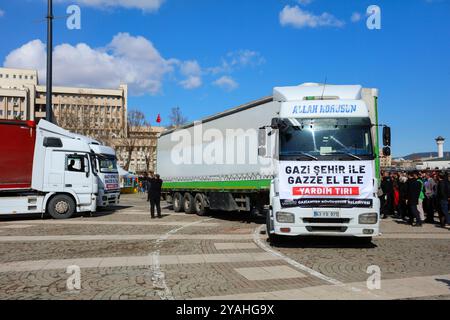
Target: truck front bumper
108	199
306	223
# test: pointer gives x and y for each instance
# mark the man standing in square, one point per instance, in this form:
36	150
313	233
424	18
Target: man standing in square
154	194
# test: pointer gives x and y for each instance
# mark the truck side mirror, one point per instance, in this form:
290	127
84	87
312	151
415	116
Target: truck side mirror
386	151
275	123
387	136
262	142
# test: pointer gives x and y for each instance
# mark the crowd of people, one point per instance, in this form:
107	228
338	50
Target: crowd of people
416	196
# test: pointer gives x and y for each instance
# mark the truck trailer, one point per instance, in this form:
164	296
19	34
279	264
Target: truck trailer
45	169
307	156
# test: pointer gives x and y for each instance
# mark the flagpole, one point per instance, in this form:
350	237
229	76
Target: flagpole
48	105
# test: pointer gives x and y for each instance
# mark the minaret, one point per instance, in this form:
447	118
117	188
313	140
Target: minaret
440	144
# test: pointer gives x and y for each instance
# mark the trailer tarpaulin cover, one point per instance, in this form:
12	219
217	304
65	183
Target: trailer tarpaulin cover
17	140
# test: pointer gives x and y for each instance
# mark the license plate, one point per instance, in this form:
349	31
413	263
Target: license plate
326	214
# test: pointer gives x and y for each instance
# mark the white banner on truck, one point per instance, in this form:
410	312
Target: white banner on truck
329	180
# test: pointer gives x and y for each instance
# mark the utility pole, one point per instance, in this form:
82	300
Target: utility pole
48	105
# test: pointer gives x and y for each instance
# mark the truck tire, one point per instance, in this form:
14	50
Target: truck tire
273	238
200	205
61	207
177	202
188	203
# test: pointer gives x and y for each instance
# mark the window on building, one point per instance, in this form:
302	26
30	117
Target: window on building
31	77
1	112
6	76
1	75
26	77
20	76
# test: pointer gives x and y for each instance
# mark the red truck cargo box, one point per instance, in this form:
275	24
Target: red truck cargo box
17	140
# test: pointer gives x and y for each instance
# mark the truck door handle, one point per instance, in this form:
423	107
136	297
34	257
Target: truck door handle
68	186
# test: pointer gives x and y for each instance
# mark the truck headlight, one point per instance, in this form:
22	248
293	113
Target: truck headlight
285	217
368	218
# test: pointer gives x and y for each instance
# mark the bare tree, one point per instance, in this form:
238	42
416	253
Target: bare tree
176	118
135	128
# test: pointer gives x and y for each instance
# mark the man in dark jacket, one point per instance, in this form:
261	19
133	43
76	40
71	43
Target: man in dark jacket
414	189
154	193
148	178
387	185
443	195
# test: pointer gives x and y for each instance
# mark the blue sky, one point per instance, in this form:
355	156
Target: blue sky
206	56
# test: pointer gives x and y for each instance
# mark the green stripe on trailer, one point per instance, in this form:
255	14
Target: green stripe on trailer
218	185
377	143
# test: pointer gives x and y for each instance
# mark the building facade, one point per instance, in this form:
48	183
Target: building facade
138	150
385	161
98	113
17	93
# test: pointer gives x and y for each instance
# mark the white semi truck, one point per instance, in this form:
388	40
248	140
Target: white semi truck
45	169
308	156
107	173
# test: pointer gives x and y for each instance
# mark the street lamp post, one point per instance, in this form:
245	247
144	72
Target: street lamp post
48	105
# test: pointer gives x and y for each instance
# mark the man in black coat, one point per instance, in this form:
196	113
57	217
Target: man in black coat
414	189
154	194
443	196
387	185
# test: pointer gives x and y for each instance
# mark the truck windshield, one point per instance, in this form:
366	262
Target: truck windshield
326	139
107	164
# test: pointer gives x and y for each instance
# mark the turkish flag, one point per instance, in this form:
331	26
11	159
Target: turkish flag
158	120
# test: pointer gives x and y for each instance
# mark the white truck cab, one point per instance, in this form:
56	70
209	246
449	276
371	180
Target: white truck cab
327	169
107	172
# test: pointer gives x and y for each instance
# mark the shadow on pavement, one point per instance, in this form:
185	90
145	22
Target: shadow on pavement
323	242
243	217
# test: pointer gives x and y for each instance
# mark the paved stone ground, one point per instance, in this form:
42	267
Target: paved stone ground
123	254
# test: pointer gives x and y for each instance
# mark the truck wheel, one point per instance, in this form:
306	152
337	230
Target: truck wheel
273	238
177	202
200	205
188	203
61	207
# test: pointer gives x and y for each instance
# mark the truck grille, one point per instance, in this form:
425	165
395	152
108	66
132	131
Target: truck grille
326	229
326	220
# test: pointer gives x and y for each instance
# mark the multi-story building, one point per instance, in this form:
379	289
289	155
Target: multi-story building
385	161
17	93
98	113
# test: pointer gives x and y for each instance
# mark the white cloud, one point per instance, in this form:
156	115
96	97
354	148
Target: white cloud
356	17
192	82
238	59
299	18
145	5
126	59
2	13
304	2
192	71
227	83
